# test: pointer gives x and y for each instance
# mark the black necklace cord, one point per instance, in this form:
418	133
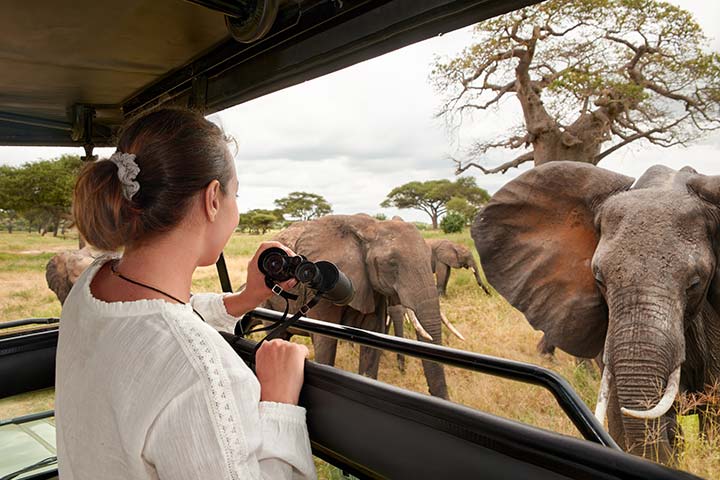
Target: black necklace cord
114	271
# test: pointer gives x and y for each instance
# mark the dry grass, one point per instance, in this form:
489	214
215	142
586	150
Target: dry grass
489	323
698	449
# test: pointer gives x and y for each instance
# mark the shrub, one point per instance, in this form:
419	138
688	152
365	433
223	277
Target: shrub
452	223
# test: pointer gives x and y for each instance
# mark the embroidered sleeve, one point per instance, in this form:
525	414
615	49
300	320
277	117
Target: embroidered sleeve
212	308
219	428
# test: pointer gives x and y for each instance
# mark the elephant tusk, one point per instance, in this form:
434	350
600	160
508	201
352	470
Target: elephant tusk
418	328
665	402
387	320
603	395
451	327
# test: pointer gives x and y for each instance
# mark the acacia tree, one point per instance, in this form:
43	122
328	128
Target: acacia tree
588	74
259	220
303	205
9	188
433	196
41	192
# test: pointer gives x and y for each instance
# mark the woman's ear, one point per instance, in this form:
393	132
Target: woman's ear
536	238
211	200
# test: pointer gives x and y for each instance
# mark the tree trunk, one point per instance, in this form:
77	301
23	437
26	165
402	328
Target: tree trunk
434	217
579	142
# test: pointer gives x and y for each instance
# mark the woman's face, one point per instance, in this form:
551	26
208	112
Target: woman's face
226	220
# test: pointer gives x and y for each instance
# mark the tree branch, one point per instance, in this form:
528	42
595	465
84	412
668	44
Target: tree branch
631	138
509	87
525	157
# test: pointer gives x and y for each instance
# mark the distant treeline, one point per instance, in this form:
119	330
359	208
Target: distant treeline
38	195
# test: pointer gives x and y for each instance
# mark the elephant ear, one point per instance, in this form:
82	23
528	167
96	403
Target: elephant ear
77	263
536	239
56	276
339	239
707	187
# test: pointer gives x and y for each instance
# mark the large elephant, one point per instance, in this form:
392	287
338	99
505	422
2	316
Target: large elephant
387	261
63	269
447	255
602	264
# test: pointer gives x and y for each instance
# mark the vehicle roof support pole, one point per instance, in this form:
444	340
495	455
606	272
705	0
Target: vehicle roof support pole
82	129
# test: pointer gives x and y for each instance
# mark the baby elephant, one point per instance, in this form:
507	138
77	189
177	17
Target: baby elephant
447	255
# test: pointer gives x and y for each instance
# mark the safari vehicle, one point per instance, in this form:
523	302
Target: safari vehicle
72	73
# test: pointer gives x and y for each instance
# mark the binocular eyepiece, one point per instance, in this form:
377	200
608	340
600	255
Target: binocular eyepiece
323	277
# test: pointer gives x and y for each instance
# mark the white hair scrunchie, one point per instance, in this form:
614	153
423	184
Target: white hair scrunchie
127	173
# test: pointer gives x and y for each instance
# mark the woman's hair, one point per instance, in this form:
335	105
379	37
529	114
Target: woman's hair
178	152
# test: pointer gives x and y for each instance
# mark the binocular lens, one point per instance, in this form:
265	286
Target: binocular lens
274	263
306	272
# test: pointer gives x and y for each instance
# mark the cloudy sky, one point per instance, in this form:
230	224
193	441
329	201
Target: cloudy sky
353	135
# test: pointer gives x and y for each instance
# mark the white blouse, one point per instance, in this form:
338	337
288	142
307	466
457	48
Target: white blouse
147	390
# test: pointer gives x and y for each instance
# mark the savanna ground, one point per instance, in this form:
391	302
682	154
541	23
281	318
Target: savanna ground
491	326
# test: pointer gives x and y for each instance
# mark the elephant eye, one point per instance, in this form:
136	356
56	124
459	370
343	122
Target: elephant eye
694	283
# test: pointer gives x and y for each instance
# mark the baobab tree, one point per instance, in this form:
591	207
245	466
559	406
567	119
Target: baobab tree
591	77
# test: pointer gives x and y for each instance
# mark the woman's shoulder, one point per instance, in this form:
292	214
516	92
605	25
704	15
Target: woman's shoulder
203	346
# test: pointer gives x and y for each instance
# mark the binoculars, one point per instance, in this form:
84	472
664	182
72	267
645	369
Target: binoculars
323	277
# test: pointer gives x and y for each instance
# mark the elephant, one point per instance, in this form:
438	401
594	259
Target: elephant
63	269
388	262
447	255
628	270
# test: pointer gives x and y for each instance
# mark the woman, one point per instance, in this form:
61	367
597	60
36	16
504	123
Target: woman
145	387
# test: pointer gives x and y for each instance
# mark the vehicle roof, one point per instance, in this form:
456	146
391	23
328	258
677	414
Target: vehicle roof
71	75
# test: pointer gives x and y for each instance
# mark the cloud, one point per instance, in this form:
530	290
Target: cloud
353	135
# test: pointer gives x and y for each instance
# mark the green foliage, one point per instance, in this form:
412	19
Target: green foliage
259	221
380	216
40	192
303	206
462	207
452	223
422	226
432	196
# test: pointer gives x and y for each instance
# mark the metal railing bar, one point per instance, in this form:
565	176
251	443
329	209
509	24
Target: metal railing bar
567	398
29	321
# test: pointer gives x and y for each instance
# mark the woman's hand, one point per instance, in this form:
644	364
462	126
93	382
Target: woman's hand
256	291
280	366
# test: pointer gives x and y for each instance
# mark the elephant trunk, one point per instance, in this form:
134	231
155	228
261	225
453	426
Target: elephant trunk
426	305
478	278
645	348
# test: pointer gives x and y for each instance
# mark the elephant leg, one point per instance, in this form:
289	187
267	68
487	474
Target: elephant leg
443	277
325	349
370	357
397	316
